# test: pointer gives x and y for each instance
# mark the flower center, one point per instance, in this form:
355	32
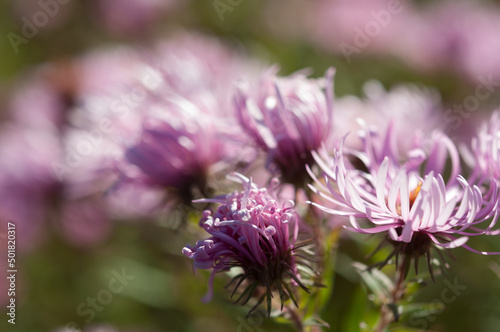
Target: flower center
413	196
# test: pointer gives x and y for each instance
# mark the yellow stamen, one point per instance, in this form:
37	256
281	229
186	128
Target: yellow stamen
411	198
414	194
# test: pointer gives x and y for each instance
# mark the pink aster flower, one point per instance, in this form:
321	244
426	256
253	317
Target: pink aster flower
409	200
287	118
485	158
250	229
177	146
407	108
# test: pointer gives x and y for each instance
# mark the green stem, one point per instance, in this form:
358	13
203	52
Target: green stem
386	313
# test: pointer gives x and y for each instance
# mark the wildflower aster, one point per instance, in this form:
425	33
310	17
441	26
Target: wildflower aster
409	200
251	230
176	147
287	118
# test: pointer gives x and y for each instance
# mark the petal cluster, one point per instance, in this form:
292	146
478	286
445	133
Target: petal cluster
250	229
287	118
407	195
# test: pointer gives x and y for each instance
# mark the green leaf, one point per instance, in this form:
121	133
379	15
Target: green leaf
376	281
317	302
422	309
316	321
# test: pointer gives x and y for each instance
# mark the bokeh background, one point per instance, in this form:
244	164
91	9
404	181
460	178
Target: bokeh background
451	47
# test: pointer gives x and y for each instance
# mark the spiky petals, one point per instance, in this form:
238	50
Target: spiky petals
414	206
486	152
250	229
287	118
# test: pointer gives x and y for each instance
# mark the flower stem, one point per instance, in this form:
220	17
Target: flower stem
295	318
386	313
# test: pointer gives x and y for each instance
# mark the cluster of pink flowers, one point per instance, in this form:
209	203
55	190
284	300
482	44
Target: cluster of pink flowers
131	134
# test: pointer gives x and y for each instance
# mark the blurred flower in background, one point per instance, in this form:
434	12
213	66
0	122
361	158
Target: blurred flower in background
459	36
131	17
28	184
412	113
486	149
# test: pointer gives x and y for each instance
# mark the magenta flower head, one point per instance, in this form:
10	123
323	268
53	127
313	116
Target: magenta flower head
177	146
251	230
485	160
409	201
287	118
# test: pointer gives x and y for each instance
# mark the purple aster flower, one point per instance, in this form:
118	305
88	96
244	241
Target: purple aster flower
409	200
287	118
177	147
251	230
